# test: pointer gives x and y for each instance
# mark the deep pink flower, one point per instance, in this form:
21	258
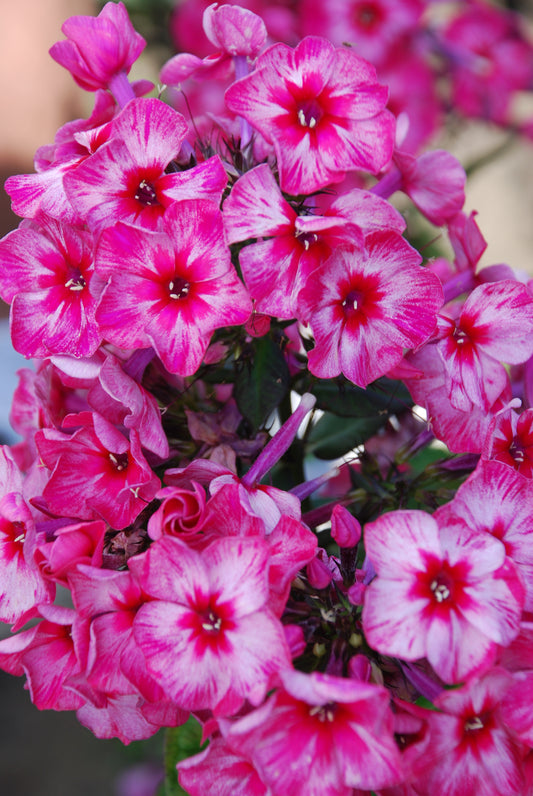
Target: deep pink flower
340	733
96	473
98	48
365	307
208	635
321	108
170	289
448	593
222	771
490	60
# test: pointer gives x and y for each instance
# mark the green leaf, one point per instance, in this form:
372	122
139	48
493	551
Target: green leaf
180	743
262	381
343	398
334	436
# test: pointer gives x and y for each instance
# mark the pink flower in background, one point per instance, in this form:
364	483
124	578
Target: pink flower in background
170	289
99	48
321	108
365	307
510	440
448	593
375	28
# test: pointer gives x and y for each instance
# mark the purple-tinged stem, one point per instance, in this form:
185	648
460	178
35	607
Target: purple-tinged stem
458	284
389	184
242	69
121	88
302	491
280	442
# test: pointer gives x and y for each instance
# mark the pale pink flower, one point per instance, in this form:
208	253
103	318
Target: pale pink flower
208	635
448	593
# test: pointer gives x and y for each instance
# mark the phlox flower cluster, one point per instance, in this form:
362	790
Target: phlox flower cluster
192	293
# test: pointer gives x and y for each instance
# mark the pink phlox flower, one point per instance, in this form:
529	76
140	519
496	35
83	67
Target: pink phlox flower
119	716
477	751
99	48
497	500
220	770
123	401
449	593
462	431
341	733
96	472
46	655
510	440
208	635
126	178
376	28
321	108
46	276
494	325
365	307
44	192
291	246
234	31
170	290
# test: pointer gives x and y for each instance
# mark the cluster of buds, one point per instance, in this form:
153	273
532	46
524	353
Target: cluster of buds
185	284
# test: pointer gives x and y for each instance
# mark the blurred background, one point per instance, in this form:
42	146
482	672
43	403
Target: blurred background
50	754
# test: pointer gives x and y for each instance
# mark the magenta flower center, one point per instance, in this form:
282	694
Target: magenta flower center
178	288
368	16
212	623
76	282
517	451
441	588
353	301
306	239
324	713
309	113
119	461
145	194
